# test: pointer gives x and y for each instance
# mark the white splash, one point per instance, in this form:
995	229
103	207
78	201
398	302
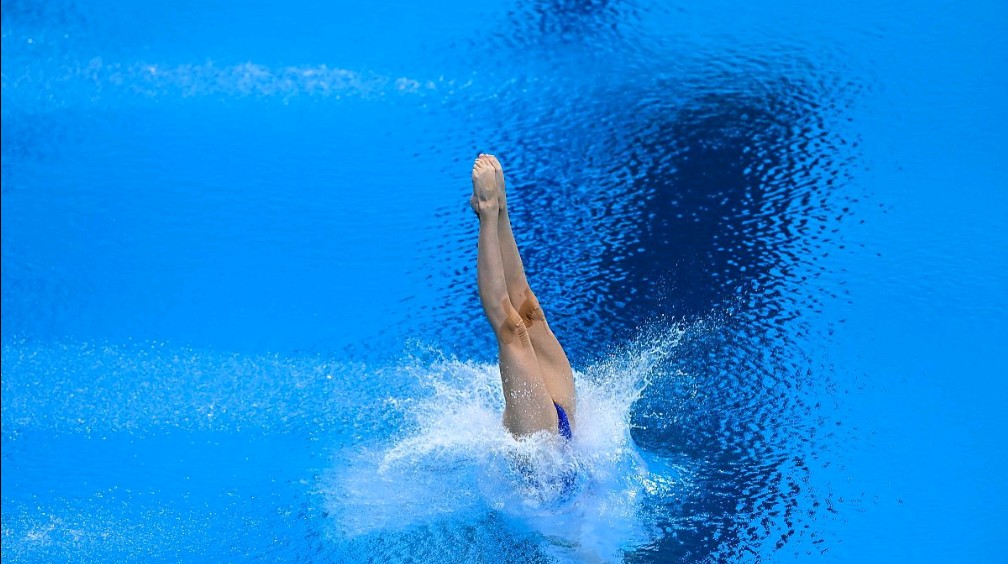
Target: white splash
456	463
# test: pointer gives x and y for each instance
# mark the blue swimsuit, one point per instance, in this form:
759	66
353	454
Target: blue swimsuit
563	423
551	484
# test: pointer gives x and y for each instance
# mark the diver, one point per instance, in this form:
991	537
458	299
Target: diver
535	373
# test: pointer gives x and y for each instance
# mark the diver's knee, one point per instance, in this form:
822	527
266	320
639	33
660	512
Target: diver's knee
529	310
513	328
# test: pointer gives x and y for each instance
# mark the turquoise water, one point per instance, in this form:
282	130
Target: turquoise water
239	317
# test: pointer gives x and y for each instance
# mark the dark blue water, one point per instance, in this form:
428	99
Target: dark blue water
239	317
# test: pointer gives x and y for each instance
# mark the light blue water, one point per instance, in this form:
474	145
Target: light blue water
238	283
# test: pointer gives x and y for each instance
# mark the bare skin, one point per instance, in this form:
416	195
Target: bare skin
535	372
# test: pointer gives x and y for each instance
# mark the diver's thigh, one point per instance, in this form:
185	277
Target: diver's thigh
528	405
554	366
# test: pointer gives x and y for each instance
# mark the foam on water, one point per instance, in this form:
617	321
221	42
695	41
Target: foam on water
107	443
455	464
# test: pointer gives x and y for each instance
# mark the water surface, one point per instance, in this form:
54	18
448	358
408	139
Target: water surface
238	299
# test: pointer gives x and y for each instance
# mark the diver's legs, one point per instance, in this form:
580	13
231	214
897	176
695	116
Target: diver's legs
553	362
528	407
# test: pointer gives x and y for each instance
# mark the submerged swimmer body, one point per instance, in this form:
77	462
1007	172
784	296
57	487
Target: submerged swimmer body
535	373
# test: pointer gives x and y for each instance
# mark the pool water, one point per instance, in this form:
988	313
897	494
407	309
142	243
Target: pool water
239	315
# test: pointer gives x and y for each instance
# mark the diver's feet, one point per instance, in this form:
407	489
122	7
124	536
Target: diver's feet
485	196
499	173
